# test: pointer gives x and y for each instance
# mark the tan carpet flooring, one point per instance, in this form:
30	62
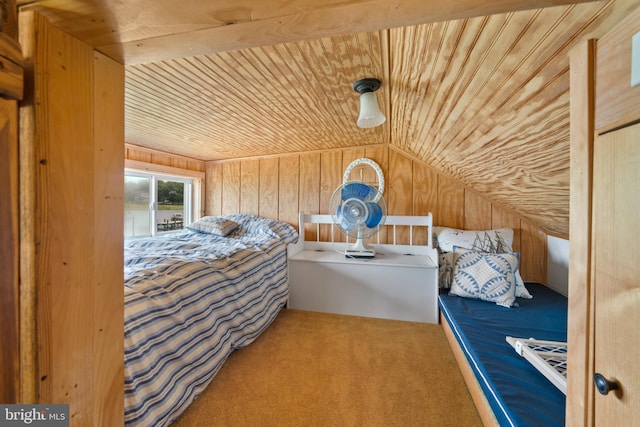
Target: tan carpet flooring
315	369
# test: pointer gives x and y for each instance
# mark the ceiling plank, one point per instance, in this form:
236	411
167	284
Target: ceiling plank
483	101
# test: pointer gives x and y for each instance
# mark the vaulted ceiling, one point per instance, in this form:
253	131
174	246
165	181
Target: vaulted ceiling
478	91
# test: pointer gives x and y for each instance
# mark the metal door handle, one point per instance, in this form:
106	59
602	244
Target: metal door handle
603	385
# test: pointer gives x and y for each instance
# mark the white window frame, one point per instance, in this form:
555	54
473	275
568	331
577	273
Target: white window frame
192	199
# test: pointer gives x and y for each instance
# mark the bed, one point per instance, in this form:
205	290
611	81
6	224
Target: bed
508	389
193	297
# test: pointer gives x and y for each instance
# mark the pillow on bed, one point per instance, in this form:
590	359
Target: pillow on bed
485	276
499	245
446	239
214	225
499	240
257	225
445	269
521	290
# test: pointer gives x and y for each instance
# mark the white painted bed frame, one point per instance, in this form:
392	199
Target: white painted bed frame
400	283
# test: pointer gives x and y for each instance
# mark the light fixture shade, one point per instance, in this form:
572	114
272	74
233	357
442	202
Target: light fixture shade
370	114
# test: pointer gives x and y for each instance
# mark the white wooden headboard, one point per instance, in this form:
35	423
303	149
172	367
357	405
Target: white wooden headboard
392	222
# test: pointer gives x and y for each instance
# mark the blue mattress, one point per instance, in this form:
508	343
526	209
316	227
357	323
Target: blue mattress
518	394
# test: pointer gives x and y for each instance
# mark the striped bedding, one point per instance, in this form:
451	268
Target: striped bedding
191	299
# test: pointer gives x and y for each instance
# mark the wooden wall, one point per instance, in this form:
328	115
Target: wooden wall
159	162
281	186
9	253
147	156
72	185
11	85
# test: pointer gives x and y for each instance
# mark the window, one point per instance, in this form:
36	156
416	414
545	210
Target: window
156	204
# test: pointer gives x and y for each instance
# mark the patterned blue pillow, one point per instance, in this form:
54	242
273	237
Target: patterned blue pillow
485	276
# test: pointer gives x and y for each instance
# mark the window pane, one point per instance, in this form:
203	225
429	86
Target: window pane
136	206
170	214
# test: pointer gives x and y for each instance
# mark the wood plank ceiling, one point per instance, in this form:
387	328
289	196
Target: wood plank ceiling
483	98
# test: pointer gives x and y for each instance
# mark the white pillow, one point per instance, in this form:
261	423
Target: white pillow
214	225
499	240
445	269
521	290
485	276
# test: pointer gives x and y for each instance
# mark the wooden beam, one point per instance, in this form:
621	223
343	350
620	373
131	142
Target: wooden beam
9	254
582	65
71	180
28	198
304	22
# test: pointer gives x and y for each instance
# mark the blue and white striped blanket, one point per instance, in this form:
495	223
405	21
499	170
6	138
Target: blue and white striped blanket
191	299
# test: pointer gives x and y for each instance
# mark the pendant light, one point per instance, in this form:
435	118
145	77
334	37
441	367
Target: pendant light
370	114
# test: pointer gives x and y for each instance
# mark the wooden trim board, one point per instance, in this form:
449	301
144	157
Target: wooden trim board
482	404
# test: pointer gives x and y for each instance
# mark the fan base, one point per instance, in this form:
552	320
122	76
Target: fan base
359	253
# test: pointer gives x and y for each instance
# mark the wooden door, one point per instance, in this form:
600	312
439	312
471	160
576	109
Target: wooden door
615	233
616	243
604	293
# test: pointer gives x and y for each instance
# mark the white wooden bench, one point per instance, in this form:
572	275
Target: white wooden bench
400	282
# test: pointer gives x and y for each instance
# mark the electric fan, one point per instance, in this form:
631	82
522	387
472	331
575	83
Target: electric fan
359	210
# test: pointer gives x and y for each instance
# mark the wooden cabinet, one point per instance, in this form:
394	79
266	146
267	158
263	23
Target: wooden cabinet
616	223
616	273
604	286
